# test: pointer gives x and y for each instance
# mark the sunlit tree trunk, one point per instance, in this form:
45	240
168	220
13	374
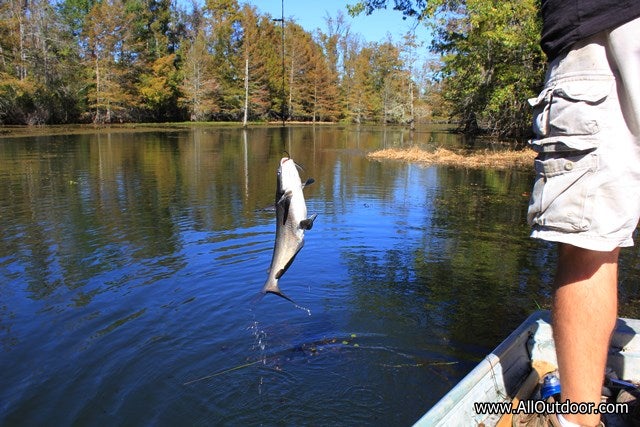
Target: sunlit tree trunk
246	91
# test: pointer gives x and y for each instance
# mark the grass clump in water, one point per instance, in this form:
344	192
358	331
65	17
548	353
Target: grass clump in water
441	156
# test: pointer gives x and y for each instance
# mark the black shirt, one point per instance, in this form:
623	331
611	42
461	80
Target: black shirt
568	21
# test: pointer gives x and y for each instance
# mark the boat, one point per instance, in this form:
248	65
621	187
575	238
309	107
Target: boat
511	372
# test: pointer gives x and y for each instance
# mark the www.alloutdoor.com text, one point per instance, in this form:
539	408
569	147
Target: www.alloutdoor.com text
544	407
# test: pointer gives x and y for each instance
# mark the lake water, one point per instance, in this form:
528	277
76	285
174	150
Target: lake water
130	263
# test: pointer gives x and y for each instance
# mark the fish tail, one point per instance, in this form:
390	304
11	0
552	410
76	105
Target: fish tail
271	287
280	294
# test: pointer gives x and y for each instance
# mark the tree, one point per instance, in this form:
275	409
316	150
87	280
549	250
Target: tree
257	53
362	100
227	59
338	46
55	64
325	86
300	49
388	77
73	13
110	58
38	65
338	29
159	88
491	58
408	52
105	61
494	66
199	85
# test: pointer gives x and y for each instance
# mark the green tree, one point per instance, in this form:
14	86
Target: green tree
350	46
159	88
38	65
55	64
110	60
17	86
388	78
228	60
491	58
73	13
151	27
362	98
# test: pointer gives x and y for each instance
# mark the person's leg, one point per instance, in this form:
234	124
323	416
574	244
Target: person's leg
584	313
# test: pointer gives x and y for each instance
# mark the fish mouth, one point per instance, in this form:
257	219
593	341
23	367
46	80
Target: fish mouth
286	159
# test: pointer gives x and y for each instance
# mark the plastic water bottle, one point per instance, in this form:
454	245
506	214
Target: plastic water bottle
550	386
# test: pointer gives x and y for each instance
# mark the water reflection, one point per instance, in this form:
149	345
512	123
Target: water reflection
128	262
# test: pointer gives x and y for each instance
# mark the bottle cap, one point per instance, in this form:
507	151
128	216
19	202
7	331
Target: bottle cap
550	386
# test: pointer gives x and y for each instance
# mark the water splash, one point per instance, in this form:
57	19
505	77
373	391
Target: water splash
260	337
302	308
260	344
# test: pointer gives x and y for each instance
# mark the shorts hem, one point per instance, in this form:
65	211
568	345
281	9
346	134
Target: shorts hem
594	243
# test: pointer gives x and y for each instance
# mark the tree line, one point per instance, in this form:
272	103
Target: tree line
490	58
106	61
112	61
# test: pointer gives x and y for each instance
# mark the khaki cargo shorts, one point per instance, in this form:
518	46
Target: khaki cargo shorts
587	135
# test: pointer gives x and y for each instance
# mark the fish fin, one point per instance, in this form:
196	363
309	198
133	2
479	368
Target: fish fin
285	201
286	195
309	181
280	294
286	204
271	287
306	224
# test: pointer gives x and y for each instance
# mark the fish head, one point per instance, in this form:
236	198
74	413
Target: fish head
288	176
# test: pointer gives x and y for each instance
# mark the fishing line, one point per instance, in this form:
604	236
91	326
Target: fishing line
224	371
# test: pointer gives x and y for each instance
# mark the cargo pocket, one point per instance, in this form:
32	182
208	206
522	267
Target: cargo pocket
568	114
568	117
562	196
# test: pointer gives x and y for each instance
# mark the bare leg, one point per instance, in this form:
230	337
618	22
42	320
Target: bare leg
584	313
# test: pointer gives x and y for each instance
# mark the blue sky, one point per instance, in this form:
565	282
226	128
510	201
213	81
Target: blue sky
310	14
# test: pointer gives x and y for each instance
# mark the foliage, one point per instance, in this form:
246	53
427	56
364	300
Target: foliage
64	61
491	59
199	84
110	57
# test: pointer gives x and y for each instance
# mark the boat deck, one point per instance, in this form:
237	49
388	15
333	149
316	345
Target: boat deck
499	376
